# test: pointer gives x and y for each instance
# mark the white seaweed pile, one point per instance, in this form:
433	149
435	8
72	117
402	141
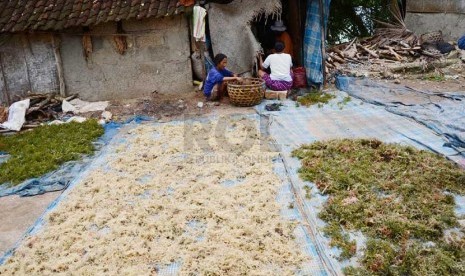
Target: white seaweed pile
164	200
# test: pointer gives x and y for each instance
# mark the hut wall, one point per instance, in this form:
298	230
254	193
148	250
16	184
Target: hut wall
431	15
157	59
27	63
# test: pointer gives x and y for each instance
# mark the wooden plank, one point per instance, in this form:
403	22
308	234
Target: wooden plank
59	64
5	85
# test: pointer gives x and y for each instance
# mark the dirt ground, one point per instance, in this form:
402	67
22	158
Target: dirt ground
170	107
18	214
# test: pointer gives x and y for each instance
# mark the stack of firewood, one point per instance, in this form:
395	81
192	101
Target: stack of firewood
376	48
392	49
44	107
398	53
391	43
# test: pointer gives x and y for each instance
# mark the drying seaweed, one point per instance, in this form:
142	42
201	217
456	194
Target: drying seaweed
308	192
318	98
344	102
87	47
400	198
45	148
157	205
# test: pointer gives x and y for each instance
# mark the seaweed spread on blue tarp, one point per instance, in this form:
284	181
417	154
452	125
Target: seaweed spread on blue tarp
294	126
60	179
314	266
444	113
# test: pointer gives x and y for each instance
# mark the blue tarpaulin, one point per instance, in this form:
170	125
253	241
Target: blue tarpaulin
313	266
441	112
312	40
461	43
295	126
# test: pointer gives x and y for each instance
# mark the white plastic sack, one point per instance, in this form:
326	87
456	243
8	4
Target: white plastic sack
106	115
56	122
199	15
16	115
83	106
67	107
77	119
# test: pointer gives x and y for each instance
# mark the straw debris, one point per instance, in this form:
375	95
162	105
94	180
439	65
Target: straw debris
210	209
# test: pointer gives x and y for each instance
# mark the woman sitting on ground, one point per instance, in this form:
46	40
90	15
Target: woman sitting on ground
215	84
280	65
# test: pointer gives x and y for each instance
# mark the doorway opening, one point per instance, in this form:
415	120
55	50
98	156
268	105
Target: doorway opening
293	16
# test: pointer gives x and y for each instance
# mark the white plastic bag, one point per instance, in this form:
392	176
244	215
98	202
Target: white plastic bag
67	107
84	107
16	115
77	119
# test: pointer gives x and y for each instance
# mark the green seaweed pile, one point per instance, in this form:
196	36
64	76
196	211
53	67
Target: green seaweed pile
45	148
313	98
399	197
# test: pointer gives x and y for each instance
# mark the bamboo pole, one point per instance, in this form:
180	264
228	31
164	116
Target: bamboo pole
25	41
59	64
5	85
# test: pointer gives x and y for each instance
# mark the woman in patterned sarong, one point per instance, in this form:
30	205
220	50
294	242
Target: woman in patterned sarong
280	65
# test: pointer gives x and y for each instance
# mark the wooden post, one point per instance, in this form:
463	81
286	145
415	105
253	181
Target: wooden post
26	47
58	61
202	57
323	42
5	85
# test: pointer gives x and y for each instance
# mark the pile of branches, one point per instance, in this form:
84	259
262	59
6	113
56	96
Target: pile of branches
396	47
391	43
44	107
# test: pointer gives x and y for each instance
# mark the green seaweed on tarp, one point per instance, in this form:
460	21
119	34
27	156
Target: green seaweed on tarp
44	149
399	197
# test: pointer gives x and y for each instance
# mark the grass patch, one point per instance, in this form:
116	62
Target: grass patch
397	196
44	149
313	98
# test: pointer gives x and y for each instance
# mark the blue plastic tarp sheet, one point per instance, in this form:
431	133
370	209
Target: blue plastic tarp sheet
292	127
444	113
295	126
314	266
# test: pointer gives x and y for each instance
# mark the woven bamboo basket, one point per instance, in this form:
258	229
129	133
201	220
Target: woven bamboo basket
248	92
431	37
